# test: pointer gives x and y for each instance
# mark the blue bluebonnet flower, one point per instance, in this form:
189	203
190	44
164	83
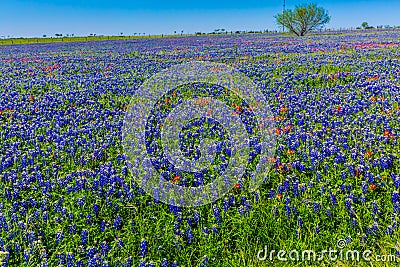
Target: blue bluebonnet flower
286	186
242	210
102	226
120	242
271	194
295	187
26	256
257	195
206	231
280	189
217	214
395	197
164	263
242	200
59	237
177	230
333	199
105	248
215	229
354	222
364	187
343	188
84	237
288	211
328	212
375	209
297	232
300	222
316	207
231	200
70	259
226	204
323	190
343	175
397	250
364	239
348	204
96	209
389	231
143	248
396	180
189	235
118	222
196	216
173	208
204	262
247	205
317	230
88	219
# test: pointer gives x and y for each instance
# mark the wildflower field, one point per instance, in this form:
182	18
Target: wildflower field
68	197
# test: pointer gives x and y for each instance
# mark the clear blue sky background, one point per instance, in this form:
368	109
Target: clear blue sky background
82	17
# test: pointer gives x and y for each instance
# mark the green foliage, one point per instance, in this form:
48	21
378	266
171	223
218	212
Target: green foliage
365	26
303	19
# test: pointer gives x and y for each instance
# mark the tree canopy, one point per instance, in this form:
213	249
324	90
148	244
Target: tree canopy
303	19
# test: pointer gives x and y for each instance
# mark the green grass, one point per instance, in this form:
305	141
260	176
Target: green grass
71	39
65	39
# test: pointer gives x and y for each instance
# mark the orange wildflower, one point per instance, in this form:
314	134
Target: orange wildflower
372	187
368	154
176	179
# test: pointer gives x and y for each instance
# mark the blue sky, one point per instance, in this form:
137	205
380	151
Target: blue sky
34	18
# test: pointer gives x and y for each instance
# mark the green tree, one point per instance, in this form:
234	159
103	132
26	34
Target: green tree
303	19
364	25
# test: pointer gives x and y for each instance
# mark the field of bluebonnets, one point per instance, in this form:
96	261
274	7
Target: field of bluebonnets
68	198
